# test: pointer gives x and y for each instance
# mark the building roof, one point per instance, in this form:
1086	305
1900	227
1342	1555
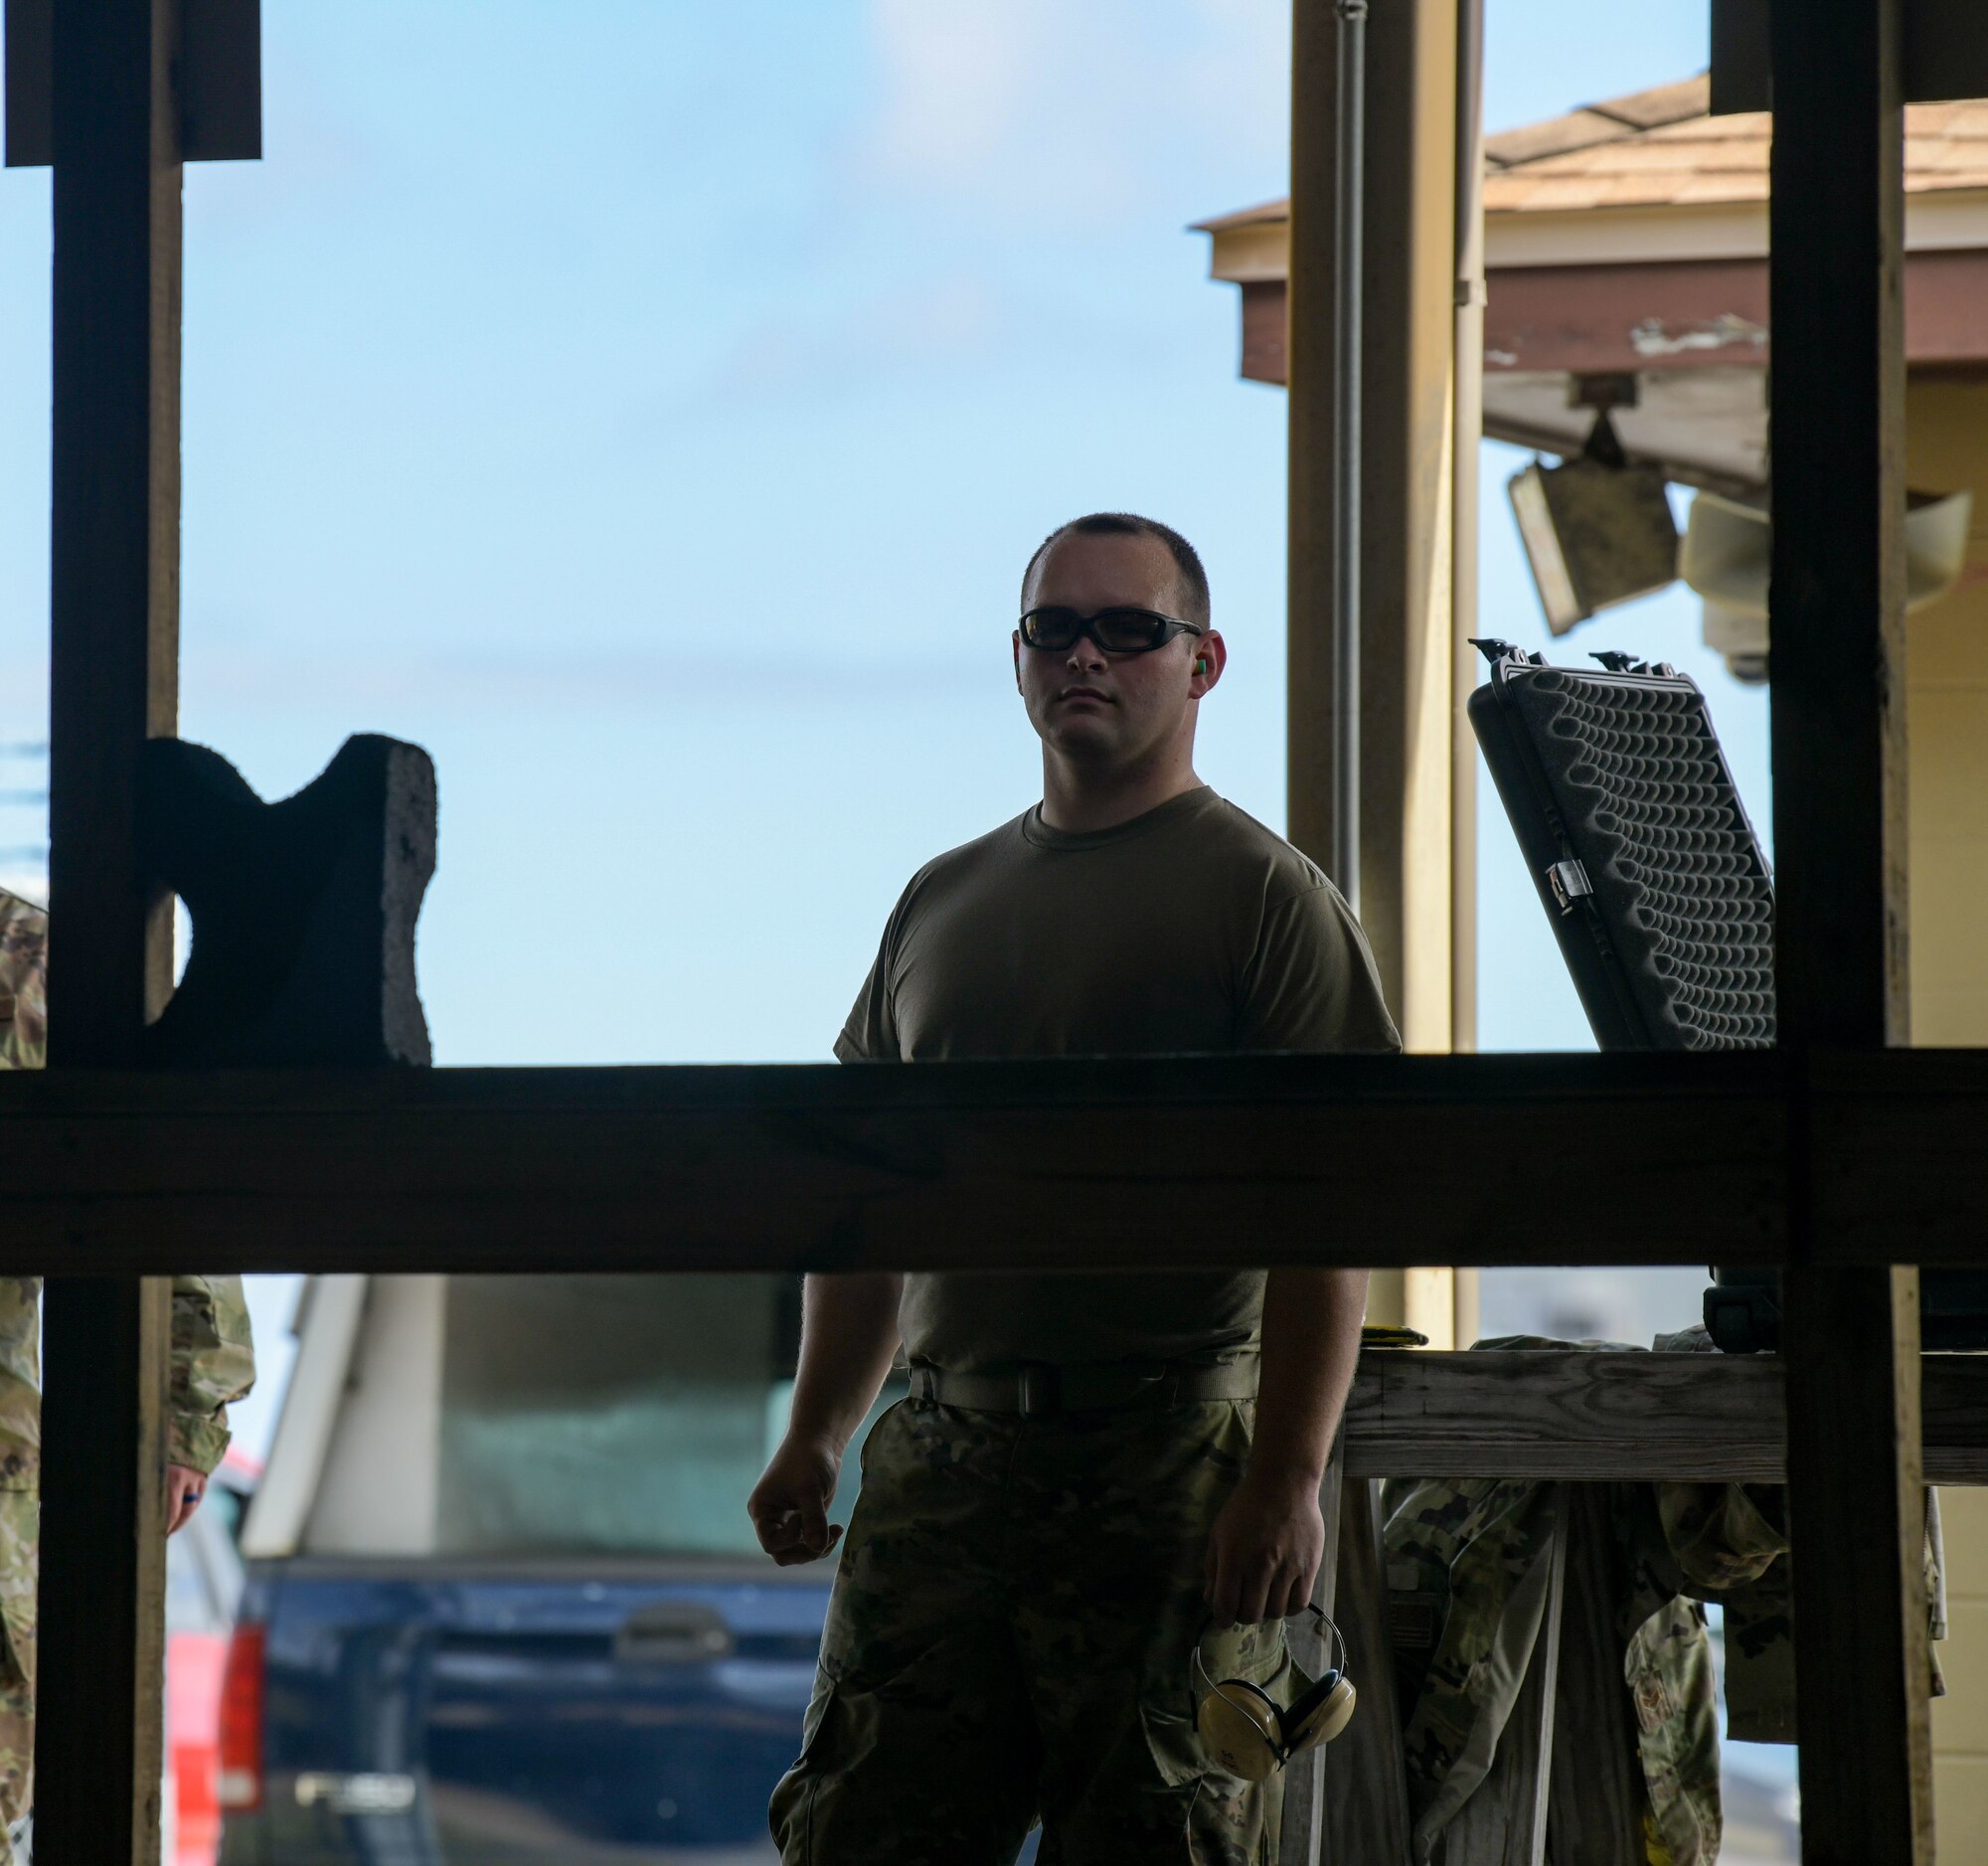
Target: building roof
1662	148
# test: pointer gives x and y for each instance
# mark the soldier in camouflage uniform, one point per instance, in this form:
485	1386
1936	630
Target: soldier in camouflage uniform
1100	1573
213	1364
1091	1468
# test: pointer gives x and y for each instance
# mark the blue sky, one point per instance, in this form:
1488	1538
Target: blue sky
649	405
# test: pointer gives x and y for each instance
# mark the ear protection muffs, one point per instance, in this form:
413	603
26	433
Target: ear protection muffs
1246	1733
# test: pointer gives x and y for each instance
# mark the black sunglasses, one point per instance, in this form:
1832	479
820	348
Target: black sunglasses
1117	631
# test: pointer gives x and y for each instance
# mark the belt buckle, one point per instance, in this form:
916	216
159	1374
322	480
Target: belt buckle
1040	1389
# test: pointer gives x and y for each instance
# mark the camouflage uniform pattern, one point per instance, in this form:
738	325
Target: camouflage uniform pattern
1011	1635
1467	1560
1732	1545
1755	1586
213	1364
1477	1551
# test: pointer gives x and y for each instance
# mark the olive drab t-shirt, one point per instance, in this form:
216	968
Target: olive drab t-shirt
1192	928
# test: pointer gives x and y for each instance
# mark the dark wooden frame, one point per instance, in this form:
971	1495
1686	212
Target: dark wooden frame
1548	1159
1831	1159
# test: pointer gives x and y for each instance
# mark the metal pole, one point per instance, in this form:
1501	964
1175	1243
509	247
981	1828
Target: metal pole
1350	130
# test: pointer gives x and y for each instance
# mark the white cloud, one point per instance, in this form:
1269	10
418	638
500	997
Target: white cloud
1059	111
958	77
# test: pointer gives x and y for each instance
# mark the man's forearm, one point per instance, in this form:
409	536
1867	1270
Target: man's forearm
849	1338
1312	1344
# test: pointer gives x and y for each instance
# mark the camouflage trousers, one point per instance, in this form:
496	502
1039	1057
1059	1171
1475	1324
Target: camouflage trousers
1010	1639
20	1541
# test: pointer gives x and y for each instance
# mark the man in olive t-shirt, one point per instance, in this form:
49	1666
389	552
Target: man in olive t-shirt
1091	1466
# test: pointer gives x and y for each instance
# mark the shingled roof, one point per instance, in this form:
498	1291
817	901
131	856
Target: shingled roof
1663	148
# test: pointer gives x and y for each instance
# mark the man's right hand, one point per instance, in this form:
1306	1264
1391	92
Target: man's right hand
789	1505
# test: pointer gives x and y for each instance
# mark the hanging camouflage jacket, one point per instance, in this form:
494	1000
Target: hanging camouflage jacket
1467	1566
213	1364
1732	1542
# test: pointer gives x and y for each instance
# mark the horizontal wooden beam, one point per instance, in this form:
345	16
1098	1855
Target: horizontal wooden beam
1900	1164
1151	1162
1139	1163
1552	1413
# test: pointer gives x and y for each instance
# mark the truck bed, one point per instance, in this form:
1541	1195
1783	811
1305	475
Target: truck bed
524	1714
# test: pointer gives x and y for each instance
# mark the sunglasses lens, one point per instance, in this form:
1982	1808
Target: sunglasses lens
1050	628
1129	632
1118	632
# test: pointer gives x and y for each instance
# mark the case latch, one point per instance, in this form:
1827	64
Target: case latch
1569	881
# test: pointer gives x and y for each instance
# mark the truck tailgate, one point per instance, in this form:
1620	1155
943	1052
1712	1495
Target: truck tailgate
521	1717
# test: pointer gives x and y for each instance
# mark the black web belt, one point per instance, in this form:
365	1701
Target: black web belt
1038	1389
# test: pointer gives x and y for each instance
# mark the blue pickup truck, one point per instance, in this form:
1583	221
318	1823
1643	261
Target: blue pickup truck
503	1606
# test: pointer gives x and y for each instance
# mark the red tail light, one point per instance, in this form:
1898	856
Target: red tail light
240	1784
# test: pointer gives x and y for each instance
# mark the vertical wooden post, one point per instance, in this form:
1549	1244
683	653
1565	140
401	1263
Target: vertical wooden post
1838	690
114	683
1409	745
1407	667
1311	434
1596	1793
1366	1784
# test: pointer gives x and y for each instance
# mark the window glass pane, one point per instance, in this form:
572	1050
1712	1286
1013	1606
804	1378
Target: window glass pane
605	1414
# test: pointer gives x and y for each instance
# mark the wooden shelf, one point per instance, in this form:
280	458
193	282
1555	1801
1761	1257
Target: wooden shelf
1561	1413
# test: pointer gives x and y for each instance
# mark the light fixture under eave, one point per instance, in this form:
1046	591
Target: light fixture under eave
1597	531
1728	552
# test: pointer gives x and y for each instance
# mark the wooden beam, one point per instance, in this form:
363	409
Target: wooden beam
219	57
1944	55
1851	1335
1880	1123
1856	1516
1312	438
115	521
100	1701
29	42
114	683
1355	1160
1597	1794
1629	1418
780	1166
1363	1781
1838	576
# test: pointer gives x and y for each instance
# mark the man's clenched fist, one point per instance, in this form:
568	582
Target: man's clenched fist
789	1505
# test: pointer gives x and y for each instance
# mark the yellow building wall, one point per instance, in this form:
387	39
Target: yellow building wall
1946	674
1947	731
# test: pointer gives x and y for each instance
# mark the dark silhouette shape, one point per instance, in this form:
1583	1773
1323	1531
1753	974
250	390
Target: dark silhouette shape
304	911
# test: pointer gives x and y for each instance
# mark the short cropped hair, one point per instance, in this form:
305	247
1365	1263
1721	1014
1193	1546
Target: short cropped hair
1187	562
